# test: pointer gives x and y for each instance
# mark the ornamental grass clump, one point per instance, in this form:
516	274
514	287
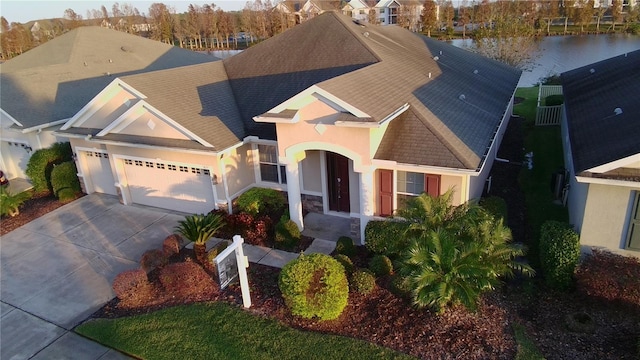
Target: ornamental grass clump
314	286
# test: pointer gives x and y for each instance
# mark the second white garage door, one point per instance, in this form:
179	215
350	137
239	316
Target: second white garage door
166	185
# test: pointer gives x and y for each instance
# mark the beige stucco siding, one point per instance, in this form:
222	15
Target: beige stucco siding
148	124
606	217
312	172
238	164
452	182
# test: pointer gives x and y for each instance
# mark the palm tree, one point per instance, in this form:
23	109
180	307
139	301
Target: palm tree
10	203
199	229
455	253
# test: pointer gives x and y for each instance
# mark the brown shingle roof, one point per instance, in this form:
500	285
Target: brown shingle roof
597	135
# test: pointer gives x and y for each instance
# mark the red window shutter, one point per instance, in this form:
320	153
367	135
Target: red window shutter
432	184
386	192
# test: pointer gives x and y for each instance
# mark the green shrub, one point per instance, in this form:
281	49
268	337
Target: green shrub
314	286
346	263
495	206
345	246
401	286
10	203
287	233
261	201
386	237
553	100
64	181
362	281
41	164
381	265
559	253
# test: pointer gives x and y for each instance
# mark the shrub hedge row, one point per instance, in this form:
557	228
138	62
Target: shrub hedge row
559	253
386	237
41	164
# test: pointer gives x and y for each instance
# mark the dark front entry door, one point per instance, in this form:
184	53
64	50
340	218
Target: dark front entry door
338	182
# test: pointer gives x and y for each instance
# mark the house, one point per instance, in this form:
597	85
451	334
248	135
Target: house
44	87
405	13
601	139
347	119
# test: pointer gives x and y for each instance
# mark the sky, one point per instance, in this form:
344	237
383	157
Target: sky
25	11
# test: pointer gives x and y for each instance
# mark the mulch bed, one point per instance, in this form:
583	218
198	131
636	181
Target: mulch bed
38	205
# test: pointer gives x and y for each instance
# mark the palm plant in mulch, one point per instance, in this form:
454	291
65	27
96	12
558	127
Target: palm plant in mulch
455	253
199	228
10	203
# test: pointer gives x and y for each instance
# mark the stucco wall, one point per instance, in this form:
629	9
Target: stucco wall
108	112
311	172
238	164
332	138
454	182
477	183
606	217
143	126
577	197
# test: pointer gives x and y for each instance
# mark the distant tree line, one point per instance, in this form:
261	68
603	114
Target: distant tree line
209	27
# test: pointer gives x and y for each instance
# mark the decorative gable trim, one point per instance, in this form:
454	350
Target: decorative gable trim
102	98
615	164
138	109
324	96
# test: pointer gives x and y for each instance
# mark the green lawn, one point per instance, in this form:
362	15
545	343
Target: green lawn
220	331
546	144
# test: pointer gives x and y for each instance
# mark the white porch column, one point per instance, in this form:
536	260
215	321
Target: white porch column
293	192
367	200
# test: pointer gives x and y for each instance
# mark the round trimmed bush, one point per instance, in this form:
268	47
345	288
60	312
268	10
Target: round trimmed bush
345	246
362	281
346	263
314	286
559	253
64	181
381	265
386	237
287	233
261	201
41	164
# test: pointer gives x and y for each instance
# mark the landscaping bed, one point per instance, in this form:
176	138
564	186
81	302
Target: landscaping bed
38	205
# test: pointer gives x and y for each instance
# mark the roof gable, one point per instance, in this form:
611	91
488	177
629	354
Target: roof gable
603	117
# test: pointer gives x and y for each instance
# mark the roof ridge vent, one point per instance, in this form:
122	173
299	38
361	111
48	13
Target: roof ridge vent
592	70
617	111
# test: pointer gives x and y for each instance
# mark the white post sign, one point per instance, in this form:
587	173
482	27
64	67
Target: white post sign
232	267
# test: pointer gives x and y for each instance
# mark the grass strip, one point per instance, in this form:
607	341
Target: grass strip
220	331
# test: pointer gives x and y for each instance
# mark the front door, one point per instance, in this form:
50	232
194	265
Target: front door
338	182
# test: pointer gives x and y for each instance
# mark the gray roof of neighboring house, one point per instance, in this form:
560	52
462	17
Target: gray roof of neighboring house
56	79
598	136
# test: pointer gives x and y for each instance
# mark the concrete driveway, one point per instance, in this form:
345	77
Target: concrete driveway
57	270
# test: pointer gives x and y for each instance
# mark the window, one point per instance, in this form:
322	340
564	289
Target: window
270	171
634	224
362	12
382	11
410	184
393	15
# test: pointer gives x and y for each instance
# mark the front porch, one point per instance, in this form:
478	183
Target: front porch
327	227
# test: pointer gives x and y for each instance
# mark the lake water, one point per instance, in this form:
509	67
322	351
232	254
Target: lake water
558	54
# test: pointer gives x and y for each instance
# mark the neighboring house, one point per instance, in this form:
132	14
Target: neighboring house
44	87
348	119
601	138
406	13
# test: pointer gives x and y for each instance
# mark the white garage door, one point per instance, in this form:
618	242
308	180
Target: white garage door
99	172
166	185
